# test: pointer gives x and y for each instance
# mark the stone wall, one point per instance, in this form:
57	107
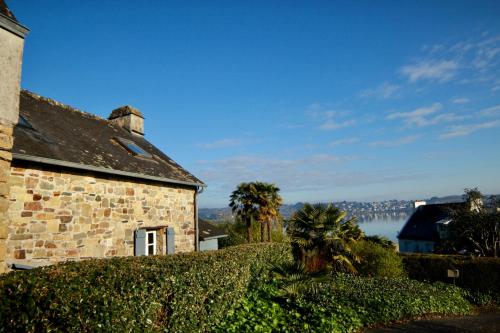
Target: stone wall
5	160
11	54
57	215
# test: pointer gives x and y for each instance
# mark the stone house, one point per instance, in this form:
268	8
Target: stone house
76	186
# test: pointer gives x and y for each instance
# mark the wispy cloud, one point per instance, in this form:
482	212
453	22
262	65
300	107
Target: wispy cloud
496	85
331	124
417	116
396	142
310	173
464	130
425	116
223	143
383	91
320	110
490	112
328	118
441	71
487	53
470	61
342	142
460	100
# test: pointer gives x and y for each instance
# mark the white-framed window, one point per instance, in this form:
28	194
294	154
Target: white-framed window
150	243
154	241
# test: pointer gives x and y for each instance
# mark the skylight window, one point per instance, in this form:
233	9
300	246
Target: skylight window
24	123
133	148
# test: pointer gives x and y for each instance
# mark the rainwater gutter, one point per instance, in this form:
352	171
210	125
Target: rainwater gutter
199	190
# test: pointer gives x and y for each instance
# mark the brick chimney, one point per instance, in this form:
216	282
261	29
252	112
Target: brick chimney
129	118
11	55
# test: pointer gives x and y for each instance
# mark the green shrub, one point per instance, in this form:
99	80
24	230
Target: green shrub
263	310
480	276
381	240
377	260
180	293
344	304
237	233
379	300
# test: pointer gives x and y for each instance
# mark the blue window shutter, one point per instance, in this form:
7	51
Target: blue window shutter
140	242
170	240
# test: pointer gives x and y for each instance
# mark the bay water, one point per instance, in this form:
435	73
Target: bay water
384	225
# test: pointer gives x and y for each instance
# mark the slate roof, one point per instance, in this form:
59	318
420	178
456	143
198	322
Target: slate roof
422	223
63	135
209	230
4	10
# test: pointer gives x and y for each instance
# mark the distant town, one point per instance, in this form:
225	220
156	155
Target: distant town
364	211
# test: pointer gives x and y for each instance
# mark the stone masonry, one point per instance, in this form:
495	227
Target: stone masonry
5	160
11	55
57	215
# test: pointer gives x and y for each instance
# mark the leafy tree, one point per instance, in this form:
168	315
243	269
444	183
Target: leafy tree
321	237
269	202
256	201
243	202
474	198
478	231
474	227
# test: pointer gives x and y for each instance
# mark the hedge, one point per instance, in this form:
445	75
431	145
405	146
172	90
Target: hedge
476	274
179	293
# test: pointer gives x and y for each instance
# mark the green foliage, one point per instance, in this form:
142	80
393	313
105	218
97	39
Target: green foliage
382	241
237	233
379	300
477	231
244	204
475	228
294	279
256	201
473	197
237	230
376	260
269	202
257	312
344	304
264	310
180	293
321	236
480	276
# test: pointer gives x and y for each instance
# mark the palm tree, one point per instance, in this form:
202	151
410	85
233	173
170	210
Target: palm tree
269	202
243	202
320	237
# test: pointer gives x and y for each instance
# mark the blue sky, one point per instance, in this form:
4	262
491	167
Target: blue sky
330	100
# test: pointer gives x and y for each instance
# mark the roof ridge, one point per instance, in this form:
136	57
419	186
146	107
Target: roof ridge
445	203
61	105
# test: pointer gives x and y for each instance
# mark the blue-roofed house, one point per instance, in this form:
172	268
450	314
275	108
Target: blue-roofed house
427	227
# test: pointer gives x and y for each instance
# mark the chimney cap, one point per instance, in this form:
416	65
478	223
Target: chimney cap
123	111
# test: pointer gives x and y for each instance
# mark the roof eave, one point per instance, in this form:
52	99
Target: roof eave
13	26
72	165
213	237
423	239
